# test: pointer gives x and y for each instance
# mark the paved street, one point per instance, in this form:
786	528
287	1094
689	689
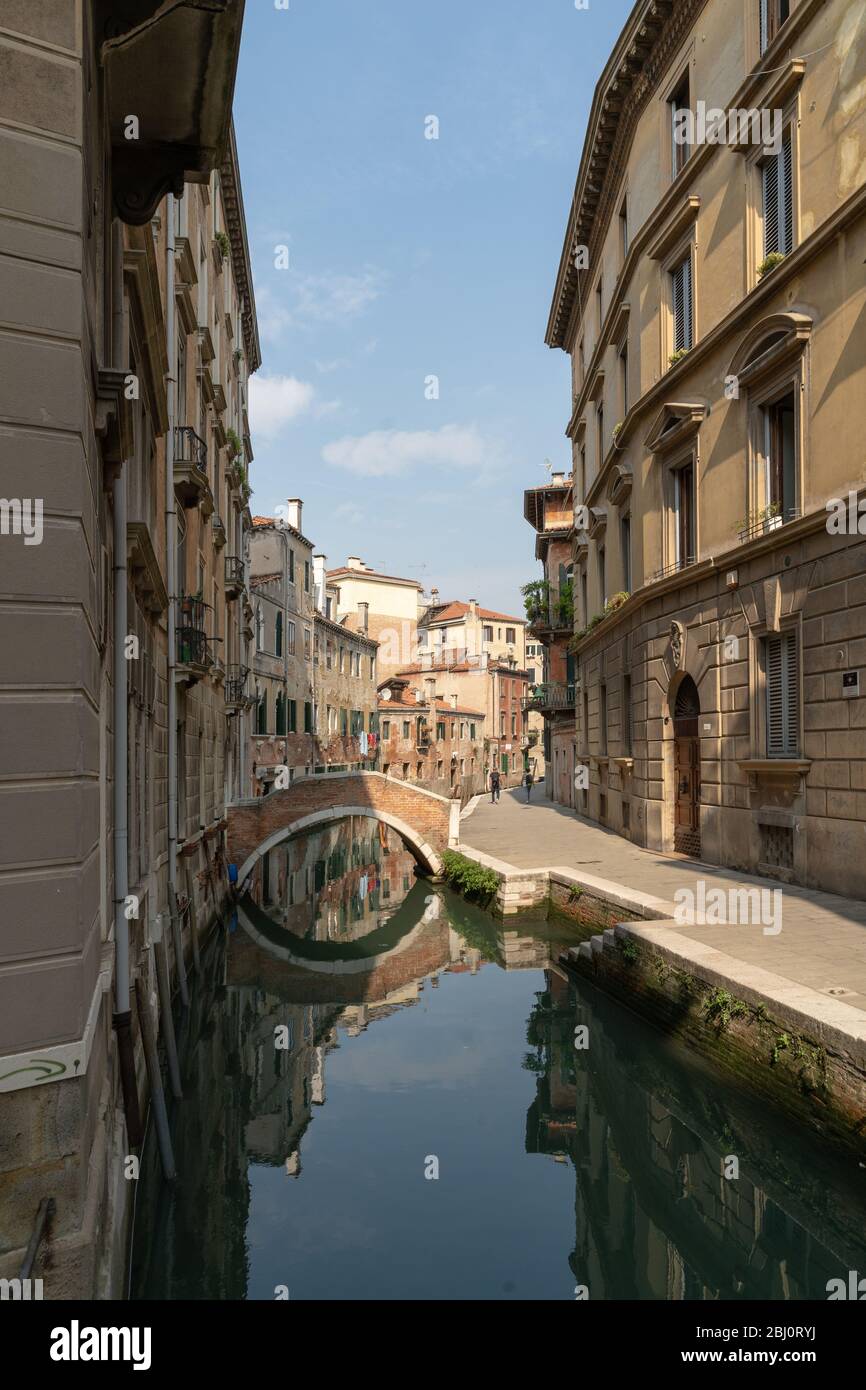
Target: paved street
822	943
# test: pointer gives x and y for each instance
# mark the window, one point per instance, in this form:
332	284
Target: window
308	717
280	724
581	356
406	729
599	308
278	636
293	716
344	721
623	229
386	728
782	681
307	643
291	556
772	15
602	718
510	635
586	721
440	731
472	731
306	576
777	203
260	629
262	714
290	638
626	716
599	436
602	577
582	478
684	513
625	546
419	770
778	422
623	379
681	304
584	599
487	634
680	149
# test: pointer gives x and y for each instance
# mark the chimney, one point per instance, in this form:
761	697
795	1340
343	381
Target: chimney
430	687
434	596
363	616
473	607
557	479
294	508
354	562
320	565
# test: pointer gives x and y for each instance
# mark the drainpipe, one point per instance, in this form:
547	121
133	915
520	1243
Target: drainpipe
122	1012
171	574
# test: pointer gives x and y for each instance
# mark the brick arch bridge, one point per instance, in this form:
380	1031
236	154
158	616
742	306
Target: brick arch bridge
426	822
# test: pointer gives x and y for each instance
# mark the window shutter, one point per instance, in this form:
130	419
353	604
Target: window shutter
687	302
763	4
786	200
770	179
681	294
783	701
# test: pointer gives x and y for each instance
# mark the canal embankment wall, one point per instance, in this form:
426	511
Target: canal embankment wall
793	1046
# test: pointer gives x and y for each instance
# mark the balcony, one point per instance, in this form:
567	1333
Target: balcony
234	571
193	654
550	697
219	532
190	468
763	522
234	689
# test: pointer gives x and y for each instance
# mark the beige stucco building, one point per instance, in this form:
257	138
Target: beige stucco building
282	732
384	606
712	300
128	335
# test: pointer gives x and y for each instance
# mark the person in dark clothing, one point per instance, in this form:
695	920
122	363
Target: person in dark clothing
494	784
528	780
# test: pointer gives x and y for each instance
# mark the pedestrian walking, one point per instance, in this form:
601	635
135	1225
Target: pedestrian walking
494	784
528	781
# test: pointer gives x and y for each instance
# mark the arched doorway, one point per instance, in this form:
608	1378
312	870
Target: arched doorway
687	769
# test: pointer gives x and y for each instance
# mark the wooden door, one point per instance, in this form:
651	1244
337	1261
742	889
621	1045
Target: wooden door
687	772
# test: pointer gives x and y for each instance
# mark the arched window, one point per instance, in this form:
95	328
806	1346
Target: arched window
260	629
262	714
278	637
281	713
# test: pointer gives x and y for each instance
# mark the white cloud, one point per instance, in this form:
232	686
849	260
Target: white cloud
384	453
275	401
300	301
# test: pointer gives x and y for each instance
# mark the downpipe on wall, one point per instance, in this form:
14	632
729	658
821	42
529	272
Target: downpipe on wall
122	1018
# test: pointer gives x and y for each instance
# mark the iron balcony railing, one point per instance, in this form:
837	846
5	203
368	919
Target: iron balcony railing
234	572
192	644
550	695
557	612
190	448
235	684
674	568
763	524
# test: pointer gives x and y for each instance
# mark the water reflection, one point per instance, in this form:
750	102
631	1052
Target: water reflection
358	1020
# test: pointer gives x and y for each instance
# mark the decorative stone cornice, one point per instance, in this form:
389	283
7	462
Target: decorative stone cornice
620	484
676	422
237	230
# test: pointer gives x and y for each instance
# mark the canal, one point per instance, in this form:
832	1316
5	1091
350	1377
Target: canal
383	1100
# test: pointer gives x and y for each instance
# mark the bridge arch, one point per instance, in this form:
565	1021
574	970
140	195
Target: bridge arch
423	852
426	822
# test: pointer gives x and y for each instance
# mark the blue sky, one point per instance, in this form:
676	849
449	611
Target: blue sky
410	258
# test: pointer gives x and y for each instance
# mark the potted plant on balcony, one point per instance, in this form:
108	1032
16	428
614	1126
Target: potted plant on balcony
770	262
223	244
536	598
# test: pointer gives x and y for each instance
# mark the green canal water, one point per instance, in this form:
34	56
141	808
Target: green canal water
383	1100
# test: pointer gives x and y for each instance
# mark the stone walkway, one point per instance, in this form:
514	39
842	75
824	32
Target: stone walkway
822	942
